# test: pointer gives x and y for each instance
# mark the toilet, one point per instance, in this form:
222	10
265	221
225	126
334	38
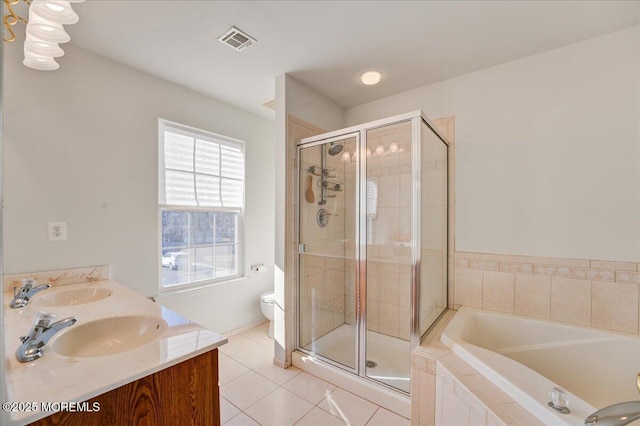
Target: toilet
267	300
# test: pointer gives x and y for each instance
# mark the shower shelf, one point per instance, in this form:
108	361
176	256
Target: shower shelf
319	171
330	185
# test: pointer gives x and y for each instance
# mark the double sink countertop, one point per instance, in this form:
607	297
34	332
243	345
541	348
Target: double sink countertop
87	362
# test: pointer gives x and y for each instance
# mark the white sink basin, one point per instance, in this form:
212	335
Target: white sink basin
74	296
108	336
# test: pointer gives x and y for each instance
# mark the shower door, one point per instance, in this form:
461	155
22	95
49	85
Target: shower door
389	238
327	302
373	249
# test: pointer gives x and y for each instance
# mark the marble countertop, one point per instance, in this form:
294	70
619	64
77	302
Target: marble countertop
57	378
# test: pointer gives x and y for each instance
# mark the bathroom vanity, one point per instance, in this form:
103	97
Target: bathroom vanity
128	360
185	394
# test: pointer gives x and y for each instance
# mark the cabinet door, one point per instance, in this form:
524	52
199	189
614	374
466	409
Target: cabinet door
183	395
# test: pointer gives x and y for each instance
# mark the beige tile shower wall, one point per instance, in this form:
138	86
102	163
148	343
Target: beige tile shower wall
322	298
323	285
389	248
389	298
601	294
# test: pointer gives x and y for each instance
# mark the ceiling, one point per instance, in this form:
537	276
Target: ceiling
328	44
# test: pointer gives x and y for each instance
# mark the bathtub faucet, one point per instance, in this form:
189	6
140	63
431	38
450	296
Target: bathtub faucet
22	295
615	415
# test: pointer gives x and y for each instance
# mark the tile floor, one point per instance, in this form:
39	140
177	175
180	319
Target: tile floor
256	392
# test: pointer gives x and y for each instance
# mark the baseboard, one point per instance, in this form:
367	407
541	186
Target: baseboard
246	327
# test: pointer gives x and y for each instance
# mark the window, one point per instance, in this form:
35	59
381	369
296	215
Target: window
201	201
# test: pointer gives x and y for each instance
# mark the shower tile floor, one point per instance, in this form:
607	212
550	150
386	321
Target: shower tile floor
253	391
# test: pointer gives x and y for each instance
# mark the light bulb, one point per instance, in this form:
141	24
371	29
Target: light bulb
346	157
393	147
380	150
368	152
55	11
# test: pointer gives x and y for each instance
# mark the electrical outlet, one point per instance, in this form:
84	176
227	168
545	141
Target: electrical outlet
57	231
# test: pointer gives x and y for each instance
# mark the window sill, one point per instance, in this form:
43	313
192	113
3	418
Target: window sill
193	288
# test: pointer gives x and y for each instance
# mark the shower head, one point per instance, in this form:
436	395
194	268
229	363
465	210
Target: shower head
335	148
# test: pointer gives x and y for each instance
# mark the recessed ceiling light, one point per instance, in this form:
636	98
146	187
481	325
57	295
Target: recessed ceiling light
371	77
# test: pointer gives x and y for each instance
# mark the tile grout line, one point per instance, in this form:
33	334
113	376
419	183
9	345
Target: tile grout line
256	372
281	386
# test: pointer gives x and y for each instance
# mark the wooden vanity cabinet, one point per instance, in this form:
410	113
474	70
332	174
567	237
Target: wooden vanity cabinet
186	394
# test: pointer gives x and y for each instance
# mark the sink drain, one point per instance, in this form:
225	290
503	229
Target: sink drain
371	364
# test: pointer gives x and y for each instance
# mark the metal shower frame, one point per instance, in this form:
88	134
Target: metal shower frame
359	132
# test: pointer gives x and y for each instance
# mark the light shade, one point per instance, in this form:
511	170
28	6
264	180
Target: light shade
380	150
58	12
45	30
371	77
42	48
41	63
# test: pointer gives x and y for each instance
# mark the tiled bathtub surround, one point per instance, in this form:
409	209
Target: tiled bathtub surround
466	398
445	390
601	294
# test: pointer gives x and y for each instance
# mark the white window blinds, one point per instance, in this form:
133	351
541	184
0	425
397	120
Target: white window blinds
201	170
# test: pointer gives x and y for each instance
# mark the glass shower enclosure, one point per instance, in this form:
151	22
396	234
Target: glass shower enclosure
372	230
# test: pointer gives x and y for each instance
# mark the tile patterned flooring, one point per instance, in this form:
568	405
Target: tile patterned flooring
253	391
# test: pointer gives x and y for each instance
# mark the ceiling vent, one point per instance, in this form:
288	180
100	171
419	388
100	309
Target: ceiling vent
236	39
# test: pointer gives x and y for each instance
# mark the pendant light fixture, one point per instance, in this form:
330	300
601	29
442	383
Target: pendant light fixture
44	30
58	12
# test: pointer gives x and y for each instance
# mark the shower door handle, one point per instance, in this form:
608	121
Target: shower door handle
301	248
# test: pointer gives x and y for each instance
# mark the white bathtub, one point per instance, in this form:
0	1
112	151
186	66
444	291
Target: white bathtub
527	357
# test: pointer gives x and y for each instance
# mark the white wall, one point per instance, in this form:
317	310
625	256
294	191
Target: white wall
80	145
547	150
311	106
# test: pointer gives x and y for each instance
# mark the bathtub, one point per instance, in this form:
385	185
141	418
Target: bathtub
527	357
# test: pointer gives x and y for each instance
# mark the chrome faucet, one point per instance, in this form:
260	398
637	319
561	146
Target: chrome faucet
615	415
22	295
43	330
